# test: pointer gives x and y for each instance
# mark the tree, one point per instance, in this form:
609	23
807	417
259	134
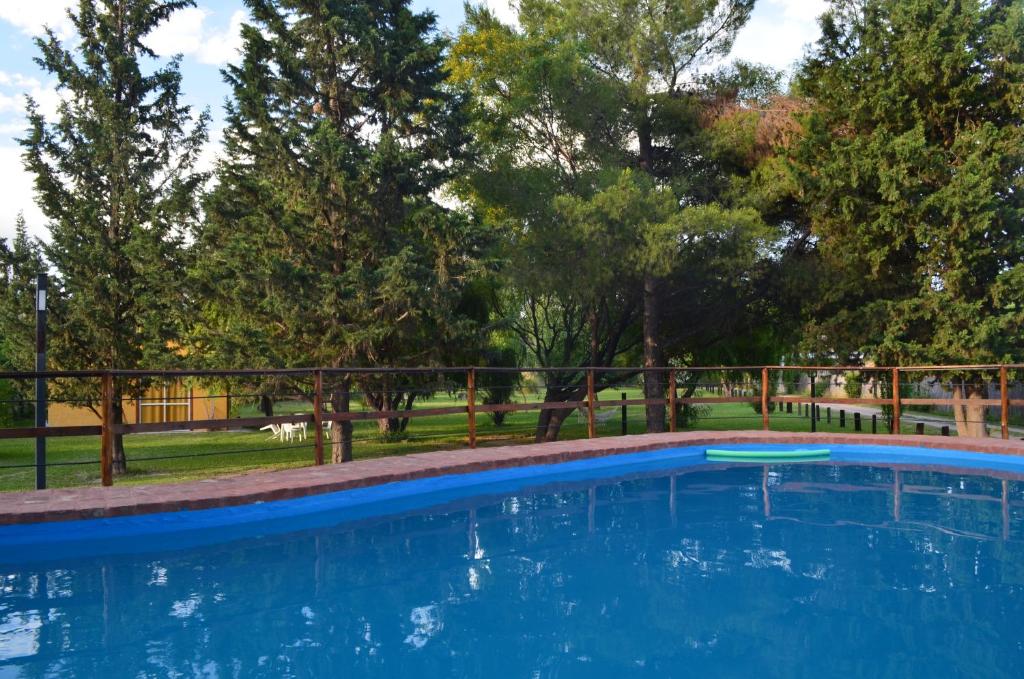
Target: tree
324	243
590	119
909	169
525	117
114	175
20	262
648	51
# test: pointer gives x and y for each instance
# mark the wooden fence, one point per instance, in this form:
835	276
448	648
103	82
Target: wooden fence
586	400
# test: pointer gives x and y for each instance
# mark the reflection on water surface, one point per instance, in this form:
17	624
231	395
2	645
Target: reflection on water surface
788	571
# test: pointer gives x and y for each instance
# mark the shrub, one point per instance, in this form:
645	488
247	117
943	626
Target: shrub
7	398
854	384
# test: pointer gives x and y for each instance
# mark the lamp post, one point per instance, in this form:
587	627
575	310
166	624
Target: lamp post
41	285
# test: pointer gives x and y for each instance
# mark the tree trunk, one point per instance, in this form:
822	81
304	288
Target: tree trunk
555	422
970	418
549	422
393	402
653	383
341	432
267	406
542	425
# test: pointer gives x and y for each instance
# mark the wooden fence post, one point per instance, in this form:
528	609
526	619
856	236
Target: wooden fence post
895	400
1004	403
764	399
471	405
107	430
591	429
318	416
811	408
672	400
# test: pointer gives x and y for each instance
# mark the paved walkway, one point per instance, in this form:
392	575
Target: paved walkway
97	501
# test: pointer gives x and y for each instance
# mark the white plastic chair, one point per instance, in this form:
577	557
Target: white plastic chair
290	431
600	414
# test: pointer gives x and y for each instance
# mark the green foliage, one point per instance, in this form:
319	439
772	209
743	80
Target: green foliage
499	387
821	386
593	151
116	236
20	262
910	170
7	406
853	384
323	244
114	177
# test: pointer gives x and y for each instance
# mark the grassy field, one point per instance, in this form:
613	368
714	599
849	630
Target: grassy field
161	458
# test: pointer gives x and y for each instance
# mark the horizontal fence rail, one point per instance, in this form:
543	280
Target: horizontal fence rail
675	394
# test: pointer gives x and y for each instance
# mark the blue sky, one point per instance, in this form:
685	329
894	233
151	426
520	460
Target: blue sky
207	38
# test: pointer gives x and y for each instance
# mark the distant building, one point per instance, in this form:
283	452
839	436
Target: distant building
171	402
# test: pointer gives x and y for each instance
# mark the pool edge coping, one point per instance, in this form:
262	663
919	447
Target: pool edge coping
93	502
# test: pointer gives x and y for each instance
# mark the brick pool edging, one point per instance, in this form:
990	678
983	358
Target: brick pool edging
99	502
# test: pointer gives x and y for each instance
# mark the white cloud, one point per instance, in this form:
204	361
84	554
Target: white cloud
13	128
31	16
801	10
19	195
17	80
9	103
186	32
504	10
210	154
181	33
14	88
778	32
222	47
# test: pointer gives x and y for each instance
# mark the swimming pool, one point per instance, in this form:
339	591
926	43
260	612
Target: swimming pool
878	562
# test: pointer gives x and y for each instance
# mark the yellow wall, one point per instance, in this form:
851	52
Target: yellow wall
204	407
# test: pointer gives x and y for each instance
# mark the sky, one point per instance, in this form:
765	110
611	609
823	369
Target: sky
207	37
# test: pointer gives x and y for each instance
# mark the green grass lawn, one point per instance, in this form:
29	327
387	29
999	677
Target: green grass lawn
196	455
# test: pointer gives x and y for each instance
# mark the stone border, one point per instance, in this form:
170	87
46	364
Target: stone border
99	502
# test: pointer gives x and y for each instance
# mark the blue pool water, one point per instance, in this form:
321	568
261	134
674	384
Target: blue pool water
652	565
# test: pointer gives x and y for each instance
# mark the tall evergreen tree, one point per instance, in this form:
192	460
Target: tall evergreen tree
647	53
114	175
324	243
20	262
911	173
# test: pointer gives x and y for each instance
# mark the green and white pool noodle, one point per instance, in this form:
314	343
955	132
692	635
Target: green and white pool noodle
793	455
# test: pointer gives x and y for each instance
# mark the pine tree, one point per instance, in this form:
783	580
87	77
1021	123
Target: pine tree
324	244
20	262
114	175
589	115
910	171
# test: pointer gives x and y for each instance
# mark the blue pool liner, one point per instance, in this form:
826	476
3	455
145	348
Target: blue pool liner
194	528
